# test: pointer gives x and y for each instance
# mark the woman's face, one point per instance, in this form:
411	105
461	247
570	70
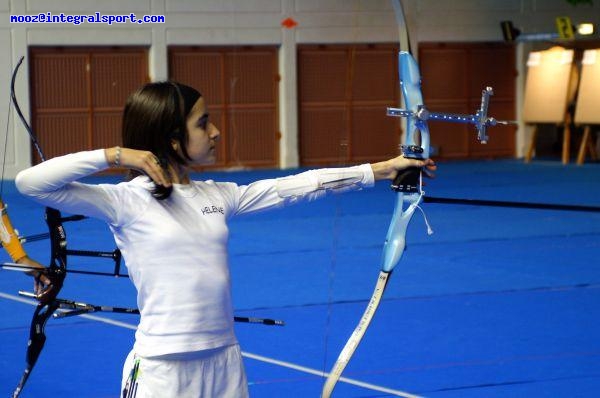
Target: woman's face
202	135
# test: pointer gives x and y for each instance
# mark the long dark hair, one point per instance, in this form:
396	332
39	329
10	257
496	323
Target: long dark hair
154	116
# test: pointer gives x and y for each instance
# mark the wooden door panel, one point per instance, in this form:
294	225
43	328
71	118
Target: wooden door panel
324	139
250	78
375	76
107	129
250	137
368	142
77	95
60	81
454	75
202	70
343	94
115	76
240	86
443	73
61	133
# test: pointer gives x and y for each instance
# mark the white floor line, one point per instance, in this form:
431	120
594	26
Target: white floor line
256	357
304	369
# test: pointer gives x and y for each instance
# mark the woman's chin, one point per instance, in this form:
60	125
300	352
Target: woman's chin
209	160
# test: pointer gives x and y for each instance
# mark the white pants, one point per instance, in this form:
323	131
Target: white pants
216	373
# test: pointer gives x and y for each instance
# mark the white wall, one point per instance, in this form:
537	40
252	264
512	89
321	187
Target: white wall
229	22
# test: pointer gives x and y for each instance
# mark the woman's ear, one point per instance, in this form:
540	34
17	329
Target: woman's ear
175	145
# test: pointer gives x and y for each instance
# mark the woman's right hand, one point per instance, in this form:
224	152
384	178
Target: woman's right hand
144	161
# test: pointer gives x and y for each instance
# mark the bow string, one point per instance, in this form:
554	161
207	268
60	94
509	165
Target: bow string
13	98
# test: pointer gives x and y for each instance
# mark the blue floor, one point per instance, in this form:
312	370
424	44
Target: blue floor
498	302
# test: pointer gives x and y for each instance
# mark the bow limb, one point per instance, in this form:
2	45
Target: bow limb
13	98
48	303
56	272
392	252
402	23
37	339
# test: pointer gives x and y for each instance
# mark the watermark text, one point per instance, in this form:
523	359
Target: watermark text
97	17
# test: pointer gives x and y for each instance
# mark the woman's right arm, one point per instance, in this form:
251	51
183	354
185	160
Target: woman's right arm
53	183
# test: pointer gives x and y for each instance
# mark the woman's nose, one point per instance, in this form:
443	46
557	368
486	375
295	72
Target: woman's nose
214	132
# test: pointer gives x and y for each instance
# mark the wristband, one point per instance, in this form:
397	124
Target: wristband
117	161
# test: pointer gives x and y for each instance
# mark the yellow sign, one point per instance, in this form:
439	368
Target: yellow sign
565	29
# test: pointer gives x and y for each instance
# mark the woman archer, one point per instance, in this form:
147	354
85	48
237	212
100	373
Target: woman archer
175	252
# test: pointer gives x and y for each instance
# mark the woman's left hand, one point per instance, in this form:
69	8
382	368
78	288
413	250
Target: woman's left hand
390	168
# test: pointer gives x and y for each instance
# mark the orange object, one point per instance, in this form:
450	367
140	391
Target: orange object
289	23
10	239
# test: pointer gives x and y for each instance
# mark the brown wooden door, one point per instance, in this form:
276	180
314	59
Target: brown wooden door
343	94
240	85
453	77
77	95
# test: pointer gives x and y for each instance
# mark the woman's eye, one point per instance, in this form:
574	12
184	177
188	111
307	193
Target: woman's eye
203	122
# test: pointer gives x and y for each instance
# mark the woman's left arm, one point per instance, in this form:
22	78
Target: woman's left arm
313	184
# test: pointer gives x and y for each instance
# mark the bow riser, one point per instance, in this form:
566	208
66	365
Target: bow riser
417	133
407	183
395	241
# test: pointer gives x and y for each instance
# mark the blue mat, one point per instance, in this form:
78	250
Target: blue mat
498	302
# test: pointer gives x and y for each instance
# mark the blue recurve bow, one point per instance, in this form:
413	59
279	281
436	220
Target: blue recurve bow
407	185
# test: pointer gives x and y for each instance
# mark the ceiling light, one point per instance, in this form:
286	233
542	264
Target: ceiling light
585	28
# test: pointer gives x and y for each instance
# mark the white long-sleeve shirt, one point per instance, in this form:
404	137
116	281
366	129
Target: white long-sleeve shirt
176	249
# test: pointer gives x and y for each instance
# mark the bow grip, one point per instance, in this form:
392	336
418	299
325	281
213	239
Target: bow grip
407	180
